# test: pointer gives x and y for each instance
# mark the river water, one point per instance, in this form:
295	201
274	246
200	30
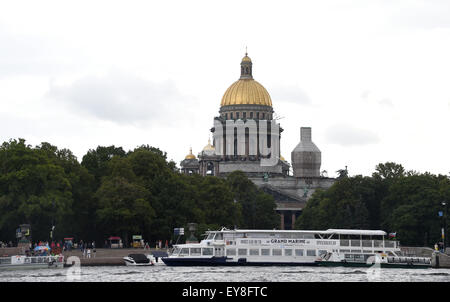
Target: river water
162	273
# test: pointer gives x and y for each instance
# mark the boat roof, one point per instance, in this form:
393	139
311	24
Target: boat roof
329	231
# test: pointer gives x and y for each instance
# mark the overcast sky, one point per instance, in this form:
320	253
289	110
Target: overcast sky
371	78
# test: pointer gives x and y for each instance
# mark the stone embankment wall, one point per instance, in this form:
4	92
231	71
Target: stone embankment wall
107	257
11	251
417	251
440	260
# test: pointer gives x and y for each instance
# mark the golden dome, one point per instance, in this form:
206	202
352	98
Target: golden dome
246	59
246	92
282	158
209	147
190	155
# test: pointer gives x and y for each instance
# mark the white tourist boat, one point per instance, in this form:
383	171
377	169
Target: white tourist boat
279	247
31	262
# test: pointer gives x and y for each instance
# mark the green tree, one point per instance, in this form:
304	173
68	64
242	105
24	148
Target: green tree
34	189
258	208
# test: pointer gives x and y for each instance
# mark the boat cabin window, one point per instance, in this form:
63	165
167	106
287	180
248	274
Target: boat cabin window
176	251
196	251
242	252
231	252
349	257
207	251
310	252
211	236
184	251
219	236
254	252
265	252
359	257
308	236
276	252
299	253
288	252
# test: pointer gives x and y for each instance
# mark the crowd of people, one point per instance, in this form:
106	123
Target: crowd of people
88	249
6	244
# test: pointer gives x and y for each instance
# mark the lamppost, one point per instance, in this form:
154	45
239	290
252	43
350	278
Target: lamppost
444	204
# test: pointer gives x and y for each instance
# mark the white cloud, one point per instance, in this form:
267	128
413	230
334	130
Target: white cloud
124	98
370	77
348	135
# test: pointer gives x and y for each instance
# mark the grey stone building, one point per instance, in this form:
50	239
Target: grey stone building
247	138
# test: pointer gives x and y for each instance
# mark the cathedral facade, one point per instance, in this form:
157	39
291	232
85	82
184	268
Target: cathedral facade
246	137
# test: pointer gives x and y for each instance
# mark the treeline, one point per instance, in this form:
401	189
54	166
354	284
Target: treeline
119	193
394	200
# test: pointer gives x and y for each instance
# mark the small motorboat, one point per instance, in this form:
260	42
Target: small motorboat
139	260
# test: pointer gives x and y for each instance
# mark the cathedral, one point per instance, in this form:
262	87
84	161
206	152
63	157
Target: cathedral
246	137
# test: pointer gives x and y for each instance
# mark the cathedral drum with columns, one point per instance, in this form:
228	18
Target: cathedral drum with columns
247	138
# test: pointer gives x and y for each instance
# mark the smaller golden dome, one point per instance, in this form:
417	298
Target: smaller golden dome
246	59
282	158
209	147
190	155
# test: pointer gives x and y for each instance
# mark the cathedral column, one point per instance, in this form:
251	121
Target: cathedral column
282	220
293	220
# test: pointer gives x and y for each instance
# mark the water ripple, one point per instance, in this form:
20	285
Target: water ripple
228	274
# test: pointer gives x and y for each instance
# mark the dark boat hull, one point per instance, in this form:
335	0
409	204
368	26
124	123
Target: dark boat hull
224	261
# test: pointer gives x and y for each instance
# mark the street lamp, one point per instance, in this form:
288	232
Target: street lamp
444	204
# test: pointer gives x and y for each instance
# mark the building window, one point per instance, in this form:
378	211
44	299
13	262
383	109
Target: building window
237	115
251	114
226	116
244	114
231	115
263	115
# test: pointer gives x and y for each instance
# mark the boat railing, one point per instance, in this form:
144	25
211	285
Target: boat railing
378	243
369	243
389	244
